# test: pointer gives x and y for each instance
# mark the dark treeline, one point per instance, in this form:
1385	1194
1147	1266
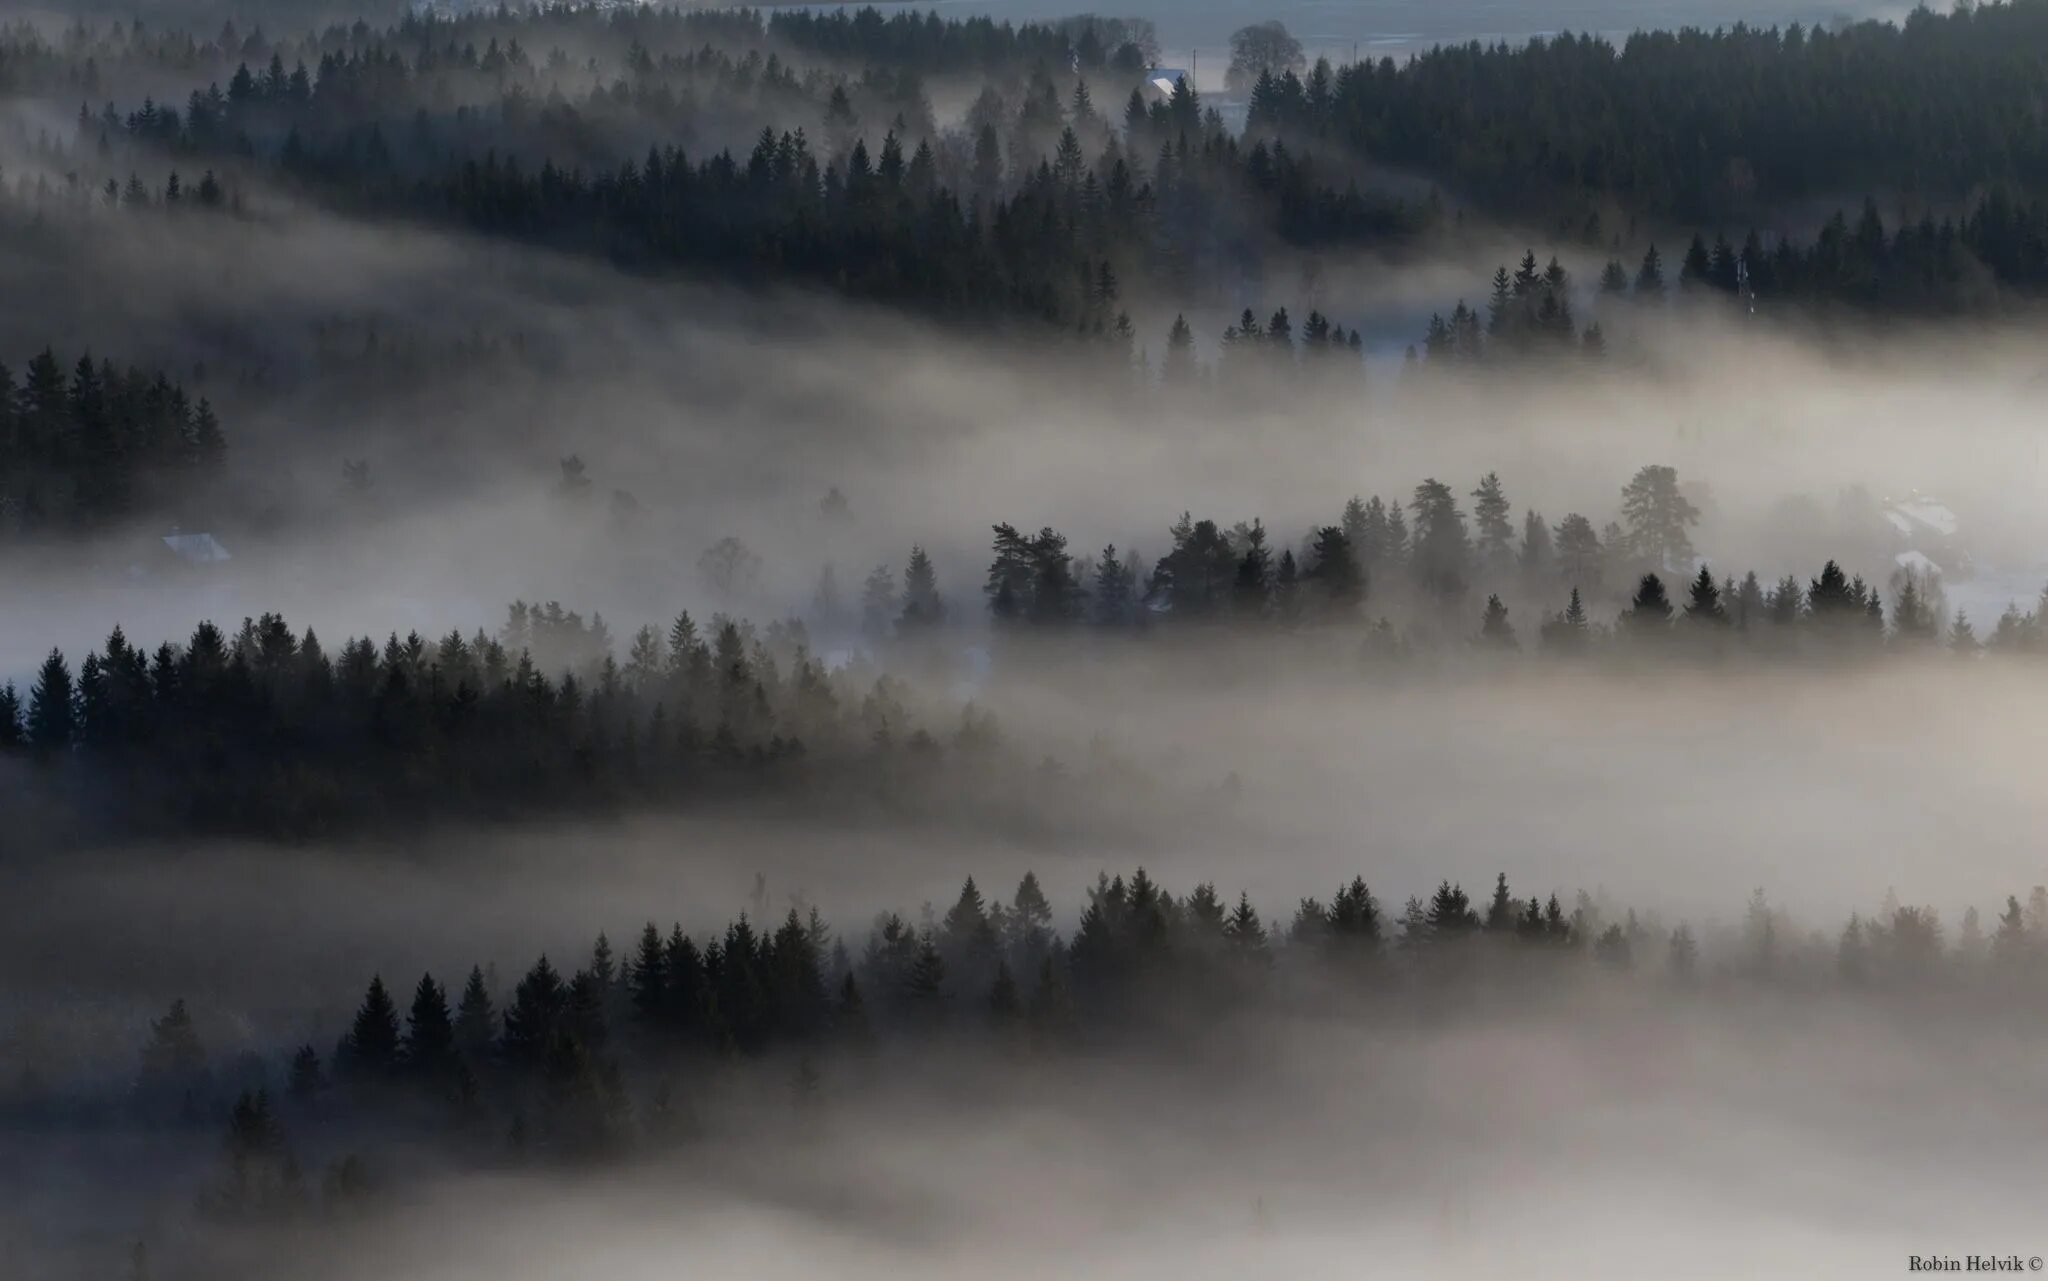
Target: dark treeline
1528	314
1923	266
263	731
628	152
619	1053
857	188
85	449
1700	126
1994	253
87	57
1425	561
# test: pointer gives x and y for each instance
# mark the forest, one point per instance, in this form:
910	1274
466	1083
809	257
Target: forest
612	1060
263	732
83	449
1697	124
1577	770
805	146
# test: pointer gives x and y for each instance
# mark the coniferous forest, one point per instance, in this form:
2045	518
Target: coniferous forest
826	640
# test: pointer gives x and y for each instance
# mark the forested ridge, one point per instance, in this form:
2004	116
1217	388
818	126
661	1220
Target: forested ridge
1704	126
86	447
621	1053
1063	169
264	732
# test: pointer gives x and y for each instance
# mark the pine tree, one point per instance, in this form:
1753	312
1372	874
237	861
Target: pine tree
1500	911
1704	609
850	1015
1178	369
370	1052
878	604
430	1033
647	979
1113	598
1658	517
1580	557
1650	276
1569	632
965	935
1649	613
1250	591
538	1005
1494	535
1003	1003
12	733
922	608
173	1057
306	1081
1440	558
1335	571
52	720
924	981
1962	641
1536	552
475	1020
1495	631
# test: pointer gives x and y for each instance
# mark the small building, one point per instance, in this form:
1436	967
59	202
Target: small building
177	557
1926	533
1159	82
196	549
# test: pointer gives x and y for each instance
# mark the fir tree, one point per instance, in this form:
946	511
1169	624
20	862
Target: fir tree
370	1052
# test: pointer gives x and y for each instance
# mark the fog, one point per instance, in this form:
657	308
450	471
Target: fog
1620	1124
721	411
1579	1144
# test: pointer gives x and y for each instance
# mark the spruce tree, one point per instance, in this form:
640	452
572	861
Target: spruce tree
1650	276
1703	608
647	979
1440	558
1336	573
1495	631
922	608
52	720
11	730
371	1049
1649	613
1003	1003
924	982
1493	534
1500	910
430	1032
475	1020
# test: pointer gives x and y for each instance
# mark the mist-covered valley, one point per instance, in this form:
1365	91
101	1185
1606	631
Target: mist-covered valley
641	640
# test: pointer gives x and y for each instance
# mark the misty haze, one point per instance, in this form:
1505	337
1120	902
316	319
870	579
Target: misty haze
1197	641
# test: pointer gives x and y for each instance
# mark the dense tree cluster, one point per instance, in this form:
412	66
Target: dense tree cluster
591	1063
1404	573
1704	126
1528	314
264	731
621	149
86	449
1997	247
850	183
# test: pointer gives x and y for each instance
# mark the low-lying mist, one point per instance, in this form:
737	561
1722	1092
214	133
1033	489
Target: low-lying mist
426	426
698	413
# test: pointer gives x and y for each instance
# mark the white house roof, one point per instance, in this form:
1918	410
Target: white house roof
1924	513
199	549
1916	562
1161	79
